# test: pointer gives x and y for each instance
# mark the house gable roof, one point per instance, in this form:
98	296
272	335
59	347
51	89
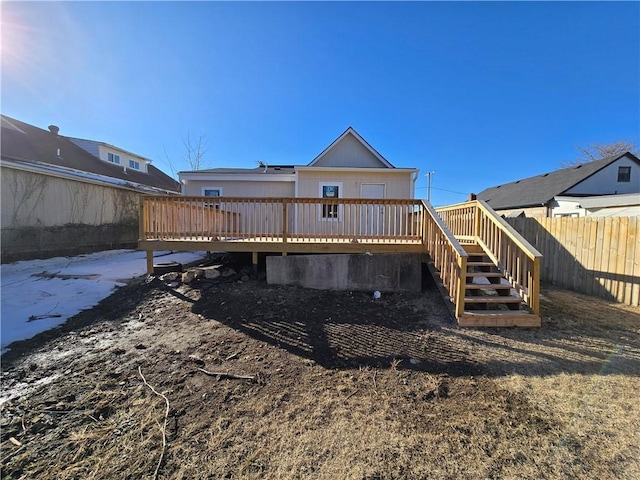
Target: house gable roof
26	144
539	190
350	150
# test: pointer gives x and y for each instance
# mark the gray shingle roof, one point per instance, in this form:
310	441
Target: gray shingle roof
538	190
270	169
25	143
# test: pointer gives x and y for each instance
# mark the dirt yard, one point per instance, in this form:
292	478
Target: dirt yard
151	384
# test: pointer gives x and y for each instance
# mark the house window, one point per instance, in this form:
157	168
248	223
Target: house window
134	164
330	210
113	158
624	174
211	192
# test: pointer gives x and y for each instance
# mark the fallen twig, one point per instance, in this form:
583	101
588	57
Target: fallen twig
163	429
227	375
233	355
350	395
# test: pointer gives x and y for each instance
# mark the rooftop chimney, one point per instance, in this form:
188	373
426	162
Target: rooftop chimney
54	129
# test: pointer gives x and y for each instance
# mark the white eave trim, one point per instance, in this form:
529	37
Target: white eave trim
238	177
337	170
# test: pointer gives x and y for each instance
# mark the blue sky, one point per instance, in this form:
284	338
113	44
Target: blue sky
483	93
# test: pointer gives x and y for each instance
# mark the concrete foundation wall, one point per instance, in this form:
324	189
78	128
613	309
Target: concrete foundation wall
394	272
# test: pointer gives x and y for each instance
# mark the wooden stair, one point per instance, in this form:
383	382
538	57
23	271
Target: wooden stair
490	301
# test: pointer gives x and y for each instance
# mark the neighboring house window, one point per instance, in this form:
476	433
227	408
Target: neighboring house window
113	158
134	164
330	191
558	215
624	174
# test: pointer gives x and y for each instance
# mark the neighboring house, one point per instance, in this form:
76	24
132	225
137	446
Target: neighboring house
348	168
61	199
610	185
627	205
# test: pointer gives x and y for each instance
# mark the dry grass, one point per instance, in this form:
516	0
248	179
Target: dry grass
558	402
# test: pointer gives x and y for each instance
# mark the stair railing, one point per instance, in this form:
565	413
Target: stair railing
448	256
476	222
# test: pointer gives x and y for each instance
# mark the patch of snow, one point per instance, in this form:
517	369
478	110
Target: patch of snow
32	304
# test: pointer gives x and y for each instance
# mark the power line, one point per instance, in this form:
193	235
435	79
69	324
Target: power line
443	190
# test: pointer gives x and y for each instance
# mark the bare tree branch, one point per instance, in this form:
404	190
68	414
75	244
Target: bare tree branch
170	164
195	149
598	151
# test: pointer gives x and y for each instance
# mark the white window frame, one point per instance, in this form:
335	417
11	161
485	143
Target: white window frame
134	164
114	156
627	169
321	185
204	189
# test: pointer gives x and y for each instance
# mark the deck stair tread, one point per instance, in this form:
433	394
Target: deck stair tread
498	313
485	274
474	263
499	318
487	286
492	299
496	298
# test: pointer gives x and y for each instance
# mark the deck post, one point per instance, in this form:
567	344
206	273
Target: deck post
254	261
462	280
535	287
476	222
149	262
141	220
284	220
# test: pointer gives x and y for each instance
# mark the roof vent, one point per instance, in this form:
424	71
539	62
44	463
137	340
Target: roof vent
54	129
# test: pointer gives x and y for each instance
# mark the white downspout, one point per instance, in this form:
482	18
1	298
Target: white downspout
416	175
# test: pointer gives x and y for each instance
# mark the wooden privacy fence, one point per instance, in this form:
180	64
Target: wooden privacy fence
592	255
476	223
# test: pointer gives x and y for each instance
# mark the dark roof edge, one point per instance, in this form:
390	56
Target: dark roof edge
612	159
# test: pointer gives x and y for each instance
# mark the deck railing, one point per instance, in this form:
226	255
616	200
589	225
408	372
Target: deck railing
447	255
476	222
309	220
281	219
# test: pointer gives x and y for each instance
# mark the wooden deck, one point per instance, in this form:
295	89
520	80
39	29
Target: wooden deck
312	225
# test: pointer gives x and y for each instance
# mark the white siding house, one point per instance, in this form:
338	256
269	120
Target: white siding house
564	192
348	168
